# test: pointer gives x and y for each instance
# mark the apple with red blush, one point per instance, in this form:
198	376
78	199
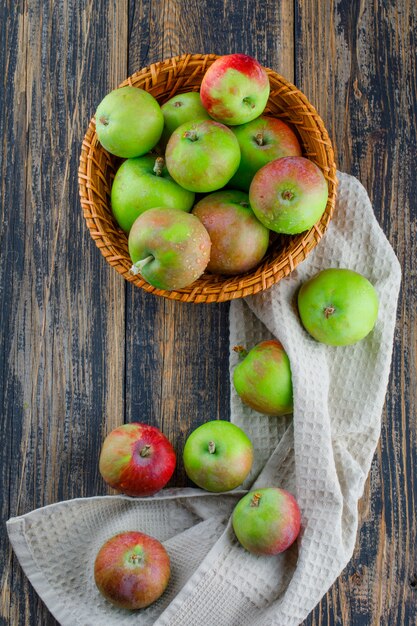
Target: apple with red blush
235	89
238	239
267	521
137	459
132	570
169	248
289	195
262	378
262	140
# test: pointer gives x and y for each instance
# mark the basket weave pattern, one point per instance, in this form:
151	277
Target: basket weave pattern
97	169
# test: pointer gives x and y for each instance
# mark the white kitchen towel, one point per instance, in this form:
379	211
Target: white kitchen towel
322	454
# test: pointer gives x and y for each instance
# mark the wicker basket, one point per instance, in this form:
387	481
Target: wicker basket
97	168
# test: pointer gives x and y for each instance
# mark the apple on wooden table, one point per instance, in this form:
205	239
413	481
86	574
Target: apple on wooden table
137	459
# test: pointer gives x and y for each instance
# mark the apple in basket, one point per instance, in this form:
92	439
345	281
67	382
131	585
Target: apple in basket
184	107
261	141
238	239
169	248
144	183
137	459
132	570
235	89
267	521
262	379
129	122
202	155
289	195
218	456
338	306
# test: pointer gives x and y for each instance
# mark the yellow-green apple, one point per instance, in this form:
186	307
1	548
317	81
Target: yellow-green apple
132	570
137	459
169	248
261	141
289	195
218	456
262	379
338	306
202	155
144	183
129	122
238	239
267	521
184	107
235	89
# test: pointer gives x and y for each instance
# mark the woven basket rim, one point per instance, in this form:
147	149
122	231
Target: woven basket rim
209	288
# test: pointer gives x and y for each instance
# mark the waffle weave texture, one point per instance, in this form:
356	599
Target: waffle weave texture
322	454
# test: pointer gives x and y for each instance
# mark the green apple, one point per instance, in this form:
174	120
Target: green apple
202	155
182	108
263	378
267	521
289	195
129	122
218	456
338	306
261	141
169	248
238	239
144	183
235	89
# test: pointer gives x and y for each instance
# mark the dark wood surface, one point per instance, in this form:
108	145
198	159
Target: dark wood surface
83	351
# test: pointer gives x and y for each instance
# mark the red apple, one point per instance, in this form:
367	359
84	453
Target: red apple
137	459
132	570
289	195
238	239
235	89
267	521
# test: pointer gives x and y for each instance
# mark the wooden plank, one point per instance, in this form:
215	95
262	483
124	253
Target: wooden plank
62	307
177	368
356	62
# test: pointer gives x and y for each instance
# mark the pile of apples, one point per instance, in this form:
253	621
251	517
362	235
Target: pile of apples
216	142
211	140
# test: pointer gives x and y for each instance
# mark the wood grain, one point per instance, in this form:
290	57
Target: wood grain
82	350
354	61
62	321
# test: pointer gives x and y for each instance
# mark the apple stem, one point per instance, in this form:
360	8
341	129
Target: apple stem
259	138
212	447
137	267
287	195
328	311
177	104
241	350
255	500
159	166
146	451
103	120
244	204
191	135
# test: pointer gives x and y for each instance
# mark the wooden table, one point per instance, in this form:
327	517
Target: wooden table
83	351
